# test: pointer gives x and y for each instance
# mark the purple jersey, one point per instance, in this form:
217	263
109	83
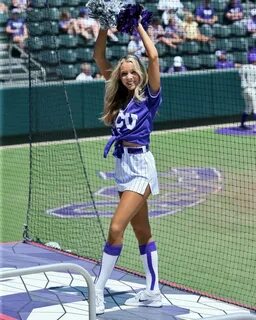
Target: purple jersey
18	26
205	12
224	64
134	123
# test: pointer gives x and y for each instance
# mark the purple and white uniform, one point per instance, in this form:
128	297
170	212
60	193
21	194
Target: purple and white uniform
135	166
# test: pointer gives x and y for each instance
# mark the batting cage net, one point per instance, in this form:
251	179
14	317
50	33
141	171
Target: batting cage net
204	219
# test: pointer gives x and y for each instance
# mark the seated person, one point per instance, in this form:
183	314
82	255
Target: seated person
192	31
222	60
251	23
233	12
86	72
178	65
67	24
135	46
205	13
19	4
155	30
3	8
16	28
173	5
173	35
89	27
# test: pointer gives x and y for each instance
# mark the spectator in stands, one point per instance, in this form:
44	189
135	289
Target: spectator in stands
67	24
178	65
19	4
170	5
89	27
205	13
173	34
3	8
16	28
135	46
155	30
222	61
192	31
251	23
86	72
233	12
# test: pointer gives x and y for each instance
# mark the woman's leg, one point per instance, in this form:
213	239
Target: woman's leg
130	203
147	247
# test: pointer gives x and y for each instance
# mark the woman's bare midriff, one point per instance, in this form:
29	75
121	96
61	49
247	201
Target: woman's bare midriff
130	144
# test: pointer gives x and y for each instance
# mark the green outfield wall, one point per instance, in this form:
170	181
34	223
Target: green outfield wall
191	96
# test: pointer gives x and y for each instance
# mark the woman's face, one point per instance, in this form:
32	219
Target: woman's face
128	76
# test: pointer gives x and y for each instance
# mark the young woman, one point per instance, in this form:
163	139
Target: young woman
132	98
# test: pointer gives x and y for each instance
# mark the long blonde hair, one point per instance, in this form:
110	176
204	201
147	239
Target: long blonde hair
116	93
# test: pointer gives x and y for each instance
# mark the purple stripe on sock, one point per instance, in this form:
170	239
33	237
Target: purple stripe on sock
112	250
145	248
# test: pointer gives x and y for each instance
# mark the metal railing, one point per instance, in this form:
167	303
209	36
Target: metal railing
25	55
60	267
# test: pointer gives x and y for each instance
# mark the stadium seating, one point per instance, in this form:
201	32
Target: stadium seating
43	18
208	60
192	62
50	42
68	71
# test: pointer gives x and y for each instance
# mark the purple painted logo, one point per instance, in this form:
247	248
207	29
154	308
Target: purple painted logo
179	188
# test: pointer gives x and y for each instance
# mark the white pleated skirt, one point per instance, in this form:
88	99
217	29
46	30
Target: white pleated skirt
135	172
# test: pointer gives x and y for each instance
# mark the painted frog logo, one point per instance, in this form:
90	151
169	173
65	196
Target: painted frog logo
179	188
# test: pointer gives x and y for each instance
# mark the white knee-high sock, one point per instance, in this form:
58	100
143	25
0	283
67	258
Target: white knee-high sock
149	258
109	258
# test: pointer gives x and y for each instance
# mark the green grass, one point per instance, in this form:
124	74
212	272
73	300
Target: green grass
208	247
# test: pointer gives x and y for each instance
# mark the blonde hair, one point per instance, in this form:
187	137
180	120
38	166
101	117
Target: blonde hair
116	93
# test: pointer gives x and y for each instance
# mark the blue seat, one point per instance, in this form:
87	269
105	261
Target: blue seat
34	43
68	40
208	47
51	27
208	60
240	57
189	47
192	62
35	29
38	3
162	49
55	3
84	54
207	30
224	44
67	55
71	3
221	31
35	15
51	14
219	5
49	57
68	71
238	29
50	42
240	44
118	51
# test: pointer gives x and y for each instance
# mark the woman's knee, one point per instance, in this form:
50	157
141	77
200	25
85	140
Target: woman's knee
116	231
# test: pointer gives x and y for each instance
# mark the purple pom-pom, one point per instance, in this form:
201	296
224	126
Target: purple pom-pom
129	17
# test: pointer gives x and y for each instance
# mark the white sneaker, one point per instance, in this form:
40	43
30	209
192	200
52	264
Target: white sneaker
145	299
99	301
